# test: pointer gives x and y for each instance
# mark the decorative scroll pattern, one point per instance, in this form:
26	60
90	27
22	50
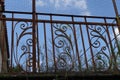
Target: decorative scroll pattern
96	33
22	56
64	47
100	43
102	60
65	53
107	57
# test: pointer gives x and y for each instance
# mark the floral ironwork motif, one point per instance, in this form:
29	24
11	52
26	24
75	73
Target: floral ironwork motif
22	45
63	44
100	43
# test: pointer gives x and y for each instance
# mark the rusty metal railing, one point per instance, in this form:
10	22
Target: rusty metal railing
63	43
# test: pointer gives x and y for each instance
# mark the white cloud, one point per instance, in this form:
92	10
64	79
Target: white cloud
40	3
80	5
117	33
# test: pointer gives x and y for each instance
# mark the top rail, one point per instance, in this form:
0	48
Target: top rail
17	12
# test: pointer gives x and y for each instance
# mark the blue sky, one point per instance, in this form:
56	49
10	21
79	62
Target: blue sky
76	7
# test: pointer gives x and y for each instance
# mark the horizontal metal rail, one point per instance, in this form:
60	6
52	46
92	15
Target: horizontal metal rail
17	12
57	21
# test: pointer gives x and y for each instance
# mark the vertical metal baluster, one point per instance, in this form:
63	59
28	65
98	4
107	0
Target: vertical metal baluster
76	44
53	47
116	12
81	32
6	45
113	55
91	51
12	41
117	42
38	61
2	45
34	34
46	46
115	7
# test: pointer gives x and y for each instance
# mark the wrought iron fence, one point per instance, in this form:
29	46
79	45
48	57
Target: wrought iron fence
63	43
43	43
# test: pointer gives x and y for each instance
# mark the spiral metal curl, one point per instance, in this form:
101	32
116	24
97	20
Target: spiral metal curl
63	41
22	54
99	41
96	33
102	60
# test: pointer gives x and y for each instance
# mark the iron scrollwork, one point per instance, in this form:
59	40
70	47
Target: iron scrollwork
64	47
22	45
102	60
99	42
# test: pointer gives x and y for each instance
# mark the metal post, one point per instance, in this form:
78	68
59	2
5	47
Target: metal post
115	7
118	23
1	5
34	35
3	38
116	12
